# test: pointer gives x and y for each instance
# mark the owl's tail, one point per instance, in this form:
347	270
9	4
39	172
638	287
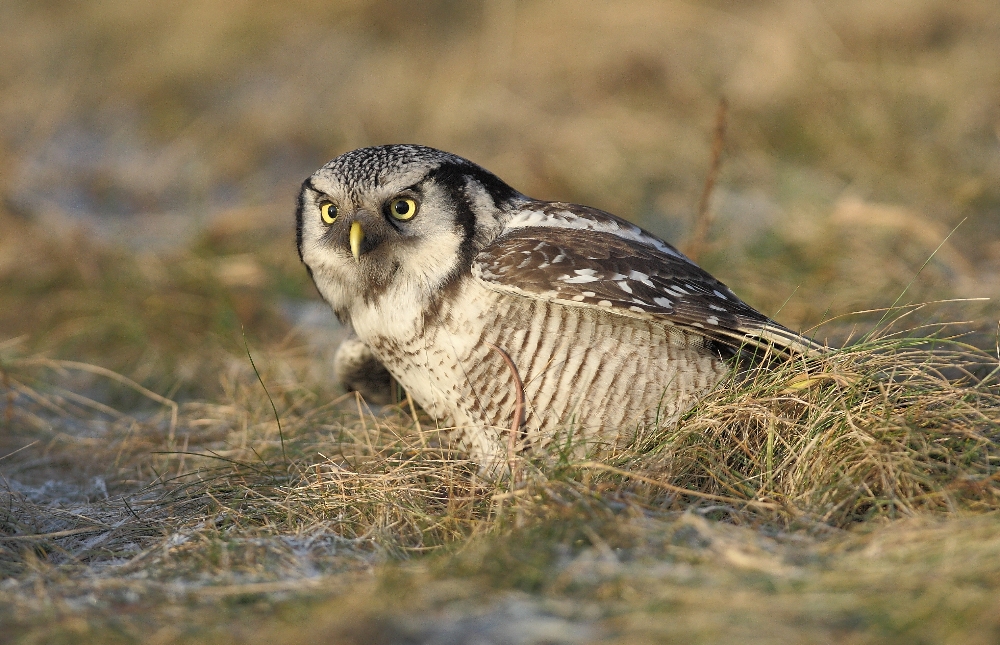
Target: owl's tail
769	338
773	336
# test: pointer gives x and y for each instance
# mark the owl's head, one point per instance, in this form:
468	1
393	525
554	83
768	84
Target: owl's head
398	215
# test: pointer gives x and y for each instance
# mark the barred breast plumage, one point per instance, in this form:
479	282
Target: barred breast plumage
433	261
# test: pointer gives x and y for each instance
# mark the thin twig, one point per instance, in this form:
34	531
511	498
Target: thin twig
130	509
14	452
704	216
515	425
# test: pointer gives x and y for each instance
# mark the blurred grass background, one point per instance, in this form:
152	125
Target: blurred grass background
859	135
150	154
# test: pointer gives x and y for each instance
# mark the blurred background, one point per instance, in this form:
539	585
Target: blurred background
150	152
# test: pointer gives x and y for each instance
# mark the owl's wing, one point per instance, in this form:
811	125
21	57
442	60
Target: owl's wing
579	256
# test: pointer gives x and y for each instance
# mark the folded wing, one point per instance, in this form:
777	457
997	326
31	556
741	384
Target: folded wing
578	256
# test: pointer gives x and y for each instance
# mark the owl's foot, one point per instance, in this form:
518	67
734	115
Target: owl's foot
358	370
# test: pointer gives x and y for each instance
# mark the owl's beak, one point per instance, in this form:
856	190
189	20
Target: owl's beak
357	237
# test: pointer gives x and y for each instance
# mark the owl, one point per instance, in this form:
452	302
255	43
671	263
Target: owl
483	304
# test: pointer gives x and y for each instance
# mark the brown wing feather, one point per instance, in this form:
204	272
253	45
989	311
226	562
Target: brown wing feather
593	268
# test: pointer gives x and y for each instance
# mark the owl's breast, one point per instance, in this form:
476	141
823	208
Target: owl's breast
428	343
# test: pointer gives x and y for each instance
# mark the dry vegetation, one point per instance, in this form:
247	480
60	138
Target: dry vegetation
148	160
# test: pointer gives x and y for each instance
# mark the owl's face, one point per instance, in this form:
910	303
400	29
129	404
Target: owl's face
395	218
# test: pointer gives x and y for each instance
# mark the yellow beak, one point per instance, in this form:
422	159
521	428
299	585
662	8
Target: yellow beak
357	237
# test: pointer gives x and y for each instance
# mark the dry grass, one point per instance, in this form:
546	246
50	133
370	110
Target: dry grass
217	505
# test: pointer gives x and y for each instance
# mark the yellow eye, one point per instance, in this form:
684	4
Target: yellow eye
328	212
403	208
